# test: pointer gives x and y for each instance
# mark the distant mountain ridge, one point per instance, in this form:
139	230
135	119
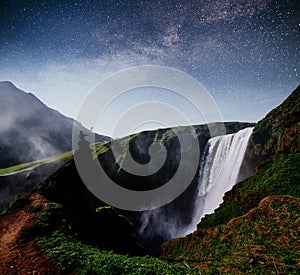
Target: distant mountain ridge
30	130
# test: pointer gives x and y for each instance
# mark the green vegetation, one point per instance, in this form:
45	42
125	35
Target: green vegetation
74	256
262	241
279	130
19	201
276	140
31	165
98	149
256	228
248	234
51	216
279	175
71	255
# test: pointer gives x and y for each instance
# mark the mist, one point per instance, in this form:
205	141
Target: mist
29	130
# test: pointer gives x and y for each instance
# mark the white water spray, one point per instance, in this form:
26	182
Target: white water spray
221	163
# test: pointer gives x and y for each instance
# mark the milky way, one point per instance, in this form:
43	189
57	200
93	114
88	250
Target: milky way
245	52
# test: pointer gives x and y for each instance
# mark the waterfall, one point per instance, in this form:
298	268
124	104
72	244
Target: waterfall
219	172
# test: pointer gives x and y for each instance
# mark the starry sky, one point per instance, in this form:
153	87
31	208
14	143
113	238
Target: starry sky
245	53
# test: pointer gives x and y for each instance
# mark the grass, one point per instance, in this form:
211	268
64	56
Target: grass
279	175
265	240
31	165
76	257
278	131
98	148
18	201
71	255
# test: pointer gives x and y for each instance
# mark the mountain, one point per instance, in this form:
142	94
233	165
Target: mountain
155	224
62	210
29	130
22	178
256	229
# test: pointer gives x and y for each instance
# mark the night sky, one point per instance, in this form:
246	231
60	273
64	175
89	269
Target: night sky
246	53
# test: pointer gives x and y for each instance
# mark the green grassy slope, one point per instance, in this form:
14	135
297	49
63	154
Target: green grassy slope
263	241
73	256
276	143
31	165
279	175
236	238
75	253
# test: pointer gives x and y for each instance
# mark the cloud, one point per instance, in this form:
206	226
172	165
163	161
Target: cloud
6	122
40	148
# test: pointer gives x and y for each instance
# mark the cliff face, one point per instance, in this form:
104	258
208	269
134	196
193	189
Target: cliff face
248	233
155	223
276	152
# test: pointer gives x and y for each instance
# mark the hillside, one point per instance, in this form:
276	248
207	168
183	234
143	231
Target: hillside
264	240
29	130
22	178
21	255
276	147
254	231
155	223
78	221
249	233
37	239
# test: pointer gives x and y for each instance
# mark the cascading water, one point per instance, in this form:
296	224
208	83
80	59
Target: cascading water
221	163
219	172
